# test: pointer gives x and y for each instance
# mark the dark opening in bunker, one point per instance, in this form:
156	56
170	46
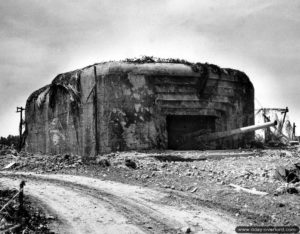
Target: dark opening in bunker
179	126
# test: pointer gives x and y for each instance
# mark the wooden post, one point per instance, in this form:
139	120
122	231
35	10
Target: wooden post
21	200
286	111
20	110
21	194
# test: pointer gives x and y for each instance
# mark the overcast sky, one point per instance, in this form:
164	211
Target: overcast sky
40	39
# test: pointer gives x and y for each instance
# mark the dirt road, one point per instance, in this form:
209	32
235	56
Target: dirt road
88	205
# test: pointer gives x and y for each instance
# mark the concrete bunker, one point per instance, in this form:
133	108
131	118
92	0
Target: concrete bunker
138	105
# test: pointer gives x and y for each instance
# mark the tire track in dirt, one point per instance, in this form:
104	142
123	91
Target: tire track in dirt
140	205
79	212
135	213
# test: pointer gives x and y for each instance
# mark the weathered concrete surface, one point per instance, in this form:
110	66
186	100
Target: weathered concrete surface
118	106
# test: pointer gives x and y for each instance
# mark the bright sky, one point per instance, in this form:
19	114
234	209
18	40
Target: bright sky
40	39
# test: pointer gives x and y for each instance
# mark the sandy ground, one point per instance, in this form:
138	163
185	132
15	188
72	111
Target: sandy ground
89	205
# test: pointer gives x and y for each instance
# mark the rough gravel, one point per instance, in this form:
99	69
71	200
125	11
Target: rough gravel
190	179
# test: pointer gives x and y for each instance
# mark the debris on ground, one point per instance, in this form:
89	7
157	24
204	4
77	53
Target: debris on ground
103	162
289	175
252	191
40	163
202	176
194	189
4	150
130	163
13	219
288	188
10	165
186	230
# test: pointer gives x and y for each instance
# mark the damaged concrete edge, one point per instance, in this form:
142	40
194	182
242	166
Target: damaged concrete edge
36	94
178	66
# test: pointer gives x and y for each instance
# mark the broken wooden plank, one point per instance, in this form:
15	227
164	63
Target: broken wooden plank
252	191
9	165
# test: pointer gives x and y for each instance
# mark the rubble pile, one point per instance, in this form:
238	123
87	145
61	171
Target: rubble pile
250	169
239	182
232	179
42	163
254	169
290	176
4	150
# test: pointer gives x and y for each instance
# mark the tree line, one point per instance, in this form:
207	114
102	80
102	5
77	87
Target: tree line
10	140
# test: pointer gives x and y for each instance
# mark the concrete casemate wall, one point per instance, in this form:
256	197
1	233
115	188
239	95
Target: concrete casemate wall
130	105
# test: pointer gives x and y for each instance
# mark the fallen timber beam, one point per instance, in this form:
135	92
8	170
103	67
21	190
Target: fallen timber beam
252	191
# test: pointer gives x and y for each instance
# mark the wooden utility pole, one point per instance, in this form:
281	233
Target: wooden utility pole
284	112
20	110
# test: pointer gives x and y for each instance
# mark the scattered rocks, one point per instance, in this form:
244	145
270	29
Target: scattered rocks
145	176
41	163
186	230
130	163
103	162
50	217
4	150
288	188
288	174
192	177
